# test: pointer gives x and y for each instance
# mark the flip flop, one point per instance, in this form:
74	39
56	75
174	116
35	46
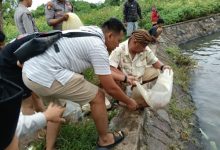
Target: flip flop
118	137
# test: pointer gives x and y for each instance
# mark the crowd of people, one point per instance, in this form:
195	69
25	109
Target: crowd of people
57	73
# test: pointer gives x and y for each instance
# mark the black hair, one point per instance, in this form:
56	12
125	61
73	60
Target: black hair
2	36
113	24
160	21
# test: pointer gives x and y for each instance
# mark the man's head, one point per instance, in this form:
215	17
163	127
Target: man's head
26	3
160	22
113	30
139	40
2	39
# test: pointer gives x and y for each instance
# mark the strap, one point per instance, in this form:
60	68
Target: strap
74	35
78	34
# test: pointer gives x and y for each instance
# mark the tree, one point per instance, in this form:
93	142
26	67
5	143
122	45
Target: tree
6	10
1	16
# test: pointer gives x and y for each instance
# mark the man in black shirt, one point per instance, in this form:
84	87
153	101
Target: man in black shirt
132	12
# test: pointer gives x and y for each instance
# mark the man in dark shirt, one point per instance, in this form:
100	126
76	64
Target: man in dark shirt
10	71
132	12
157	29
155	32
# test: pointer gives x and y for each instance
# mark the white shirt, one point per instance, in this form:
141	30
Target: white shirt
28	124
75	56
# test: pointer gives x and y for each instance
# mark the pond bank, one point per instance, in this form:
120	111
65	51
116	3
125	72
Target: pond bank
176	126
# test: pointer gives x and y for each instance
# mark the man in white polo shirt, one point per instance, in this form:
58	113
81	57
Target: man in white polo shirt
56	75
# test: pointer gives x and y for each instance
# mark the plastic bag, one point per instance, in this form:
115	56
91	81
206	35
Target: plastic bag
73	111
160	94
73	22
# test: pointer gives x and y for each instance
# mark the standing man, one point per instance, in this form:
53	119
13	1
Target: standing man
132	12
57	75
23	18
56	12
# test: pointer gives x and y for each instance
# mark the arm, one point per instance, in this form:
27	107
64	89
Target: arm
27	23
120	76
115	91
161	66
50	13
54	22
30	124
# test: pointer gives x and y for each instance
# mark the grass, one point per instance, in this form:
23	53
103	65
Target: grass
77	136
179	113
182	64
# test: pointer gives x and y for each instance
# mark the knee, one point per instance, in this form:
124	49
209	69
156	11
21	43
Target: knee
99	99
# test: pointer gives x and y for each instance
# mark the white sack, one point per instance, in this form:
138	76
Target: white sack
160	94
73	22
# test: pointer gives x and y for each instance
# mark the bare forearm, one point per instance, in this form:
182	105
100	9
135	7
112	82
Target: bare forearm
118	94
54	22
117	74
158	65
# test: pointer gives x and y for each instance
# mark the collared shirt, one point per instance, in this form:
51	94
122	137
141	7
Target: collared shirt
121	58
55	9
75	56
24	20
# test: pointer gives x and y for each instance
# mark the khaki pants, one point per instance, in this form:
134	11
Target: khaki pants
77	89
150	73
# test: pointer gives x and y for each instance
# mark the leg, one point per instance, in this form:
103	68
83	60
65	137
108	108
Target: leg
150	73
27	106
13	145
135	25
129	28
52	133
99	114
37	103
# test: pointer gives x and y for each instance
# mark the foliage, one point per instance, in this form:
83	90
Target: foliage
179	113
181	66
76	136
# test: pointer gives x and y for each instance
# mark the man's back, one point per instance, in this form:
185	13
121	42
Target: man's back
75	55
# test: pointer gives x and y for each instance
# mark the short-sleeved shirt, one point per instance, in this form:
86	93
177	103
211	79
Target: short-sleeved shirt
121	58
56	9
75	56
24	20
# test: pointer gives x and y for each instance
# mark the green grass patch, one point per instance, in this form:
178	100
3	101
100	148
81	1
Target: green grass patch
77	136
179	113
182	65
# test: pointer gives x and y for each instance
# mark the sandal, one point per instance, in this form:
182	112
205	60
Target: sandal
118	137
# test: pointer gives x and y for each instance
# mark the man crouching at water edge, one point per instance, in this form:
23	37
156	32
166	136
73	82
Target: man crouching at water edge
134	60
56	75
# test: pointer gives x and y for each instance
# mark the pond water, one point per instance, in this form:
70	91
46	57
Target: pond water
205	84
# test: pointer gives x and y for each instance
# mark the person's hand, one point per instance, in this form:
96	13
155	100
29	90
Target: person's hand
54	113
132	105
131	80
165	67
19	64
65	17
